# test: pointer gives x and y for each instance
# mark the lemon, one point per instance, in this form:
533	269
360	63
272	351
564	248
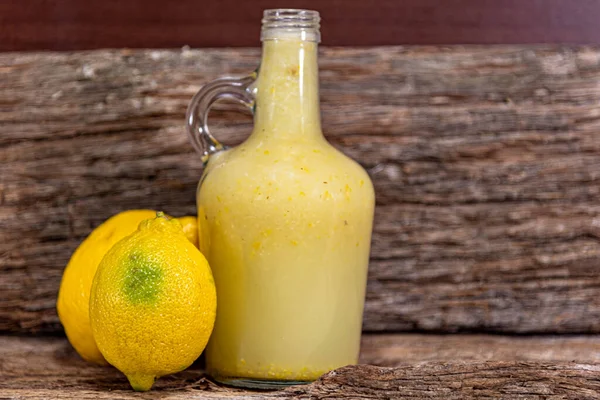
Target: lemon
74	293
153	303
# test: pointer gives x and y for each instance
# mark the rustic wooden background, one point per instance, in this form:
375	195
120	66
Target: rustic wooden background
486	163
92	24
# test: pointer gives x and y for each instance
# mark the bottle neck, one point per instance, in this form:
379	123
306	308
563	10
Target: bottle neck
287	90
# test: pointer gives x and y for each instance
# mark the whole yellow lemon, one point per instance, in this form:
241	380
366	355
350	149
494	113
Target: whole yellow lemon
153	303
74	293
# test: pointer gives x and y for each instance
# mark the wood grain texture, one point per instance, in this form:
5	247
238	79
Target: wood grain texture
49	368
77	25
392	350
486	163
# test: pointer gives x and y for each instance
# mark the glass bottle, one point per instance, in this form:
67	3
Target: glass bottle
285	221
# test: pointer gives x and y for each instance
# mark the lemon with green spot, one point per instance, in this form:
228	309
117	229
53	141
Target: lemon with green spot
74	294
153	302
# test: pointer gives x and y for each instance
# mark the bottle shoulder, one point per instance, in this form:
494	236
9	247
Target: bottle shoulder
303	167
309	158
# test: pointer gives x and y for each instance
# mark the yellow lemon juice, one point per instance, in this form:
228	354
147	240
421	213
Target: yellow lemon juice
285	222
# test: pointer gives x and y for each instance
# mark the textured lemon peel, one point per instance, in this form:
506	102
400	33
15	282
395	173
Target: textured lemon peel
143	279
153	303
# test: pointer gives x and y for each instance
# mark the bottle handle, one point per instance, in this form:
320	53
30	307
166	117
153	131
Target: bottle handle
238	89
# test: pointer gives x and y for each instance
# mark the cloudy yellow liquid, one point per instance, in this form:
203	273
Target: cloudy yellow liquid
285	223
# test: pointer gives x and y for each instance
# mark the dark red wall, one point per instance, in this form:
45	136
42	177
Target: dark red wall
88	24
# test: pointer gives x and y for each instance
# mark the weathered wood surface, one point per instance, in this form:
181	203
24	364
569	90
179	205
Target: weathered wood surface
469	367
391	350
486	163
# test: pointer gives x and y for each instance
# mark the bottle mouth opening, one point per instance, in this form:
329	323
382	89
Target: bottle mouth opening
283	23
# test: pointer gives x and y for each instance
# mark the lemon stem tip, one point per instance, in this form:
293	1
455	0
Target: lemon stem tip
141	383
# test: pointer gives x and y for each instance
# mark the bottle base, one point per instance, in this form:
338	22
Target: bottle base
261	384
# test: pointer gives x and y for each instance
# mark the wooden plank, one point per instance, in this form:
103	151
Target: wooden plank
76	25
485	160
47	367
392	350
